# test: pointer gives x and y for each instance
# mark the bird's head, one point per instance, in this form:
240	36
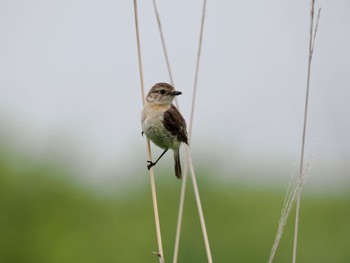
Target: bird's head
162	93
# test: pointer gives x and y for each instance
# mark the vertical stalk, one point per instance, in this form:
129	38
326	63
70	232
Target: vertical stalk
312	37
151	173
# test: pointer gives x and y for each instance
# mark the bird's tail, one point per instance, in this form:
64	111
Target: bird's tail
177	163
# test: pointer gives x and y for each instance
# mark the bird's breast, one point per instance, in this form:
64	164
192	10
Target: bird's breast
152	125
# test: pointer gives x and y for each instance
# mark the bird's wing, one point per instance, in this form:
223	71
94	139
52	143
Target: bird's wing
175	123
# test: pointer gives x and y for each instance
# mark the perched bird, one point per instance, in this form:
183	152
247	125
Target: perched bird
163	124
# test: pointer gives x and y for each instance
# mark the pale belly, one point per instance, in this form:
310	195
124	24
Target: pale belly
154	129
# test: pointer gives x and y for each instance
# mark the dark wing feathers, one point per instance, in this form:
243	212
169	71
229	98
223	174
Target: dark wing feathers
175	123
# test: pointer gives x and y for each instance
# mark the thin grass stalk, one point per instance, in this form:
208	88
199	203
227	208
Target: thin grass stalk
312	38
139	56
188	157
184	180
159	253
165	52
163	42
180	213
199	52
294	190
199	206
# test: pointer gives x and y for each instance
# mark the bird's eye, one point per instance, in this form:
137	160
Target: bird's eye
162	91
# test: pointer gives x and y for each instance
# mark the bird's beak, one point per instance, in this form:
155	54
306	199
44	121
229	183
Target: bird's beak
176	93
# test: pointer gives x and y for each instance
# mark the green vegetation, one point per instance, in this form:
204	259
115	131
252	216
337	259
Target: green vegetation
47	217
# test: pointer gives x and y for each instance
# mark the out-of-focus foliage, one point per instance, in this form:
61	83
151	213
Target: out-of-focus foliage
47	217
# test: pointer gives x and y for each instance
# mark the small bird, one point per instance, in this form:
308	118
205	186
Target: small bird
163	124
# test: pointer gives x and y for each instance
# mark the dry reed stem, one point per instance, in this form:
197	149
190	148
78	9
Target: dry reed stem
159	23
312	39
188	156
163	42
159	253
199	206
199	51
183	187
293	194
180	213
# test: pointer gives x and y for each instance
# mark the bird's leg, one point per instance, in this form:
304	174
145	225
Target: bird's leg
151	164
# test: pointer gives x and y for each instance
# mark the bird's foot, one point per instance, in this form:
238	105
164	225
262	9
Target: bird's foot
150	164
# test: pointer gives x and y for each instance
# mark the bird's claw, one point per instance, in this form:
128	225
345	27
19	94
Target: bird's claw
150	164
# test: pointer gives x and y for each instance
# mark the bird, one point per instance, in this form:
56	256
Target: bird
163	124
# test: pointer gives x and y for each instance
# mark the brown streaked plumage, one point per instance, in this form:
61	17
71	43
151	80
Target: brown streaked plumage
175	123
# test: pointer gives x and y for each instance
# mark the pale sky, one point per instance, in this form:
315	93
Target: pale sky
69	83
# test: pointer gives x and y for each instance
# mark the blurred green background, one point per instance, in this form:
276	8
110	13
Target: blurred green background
73	183
49	215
